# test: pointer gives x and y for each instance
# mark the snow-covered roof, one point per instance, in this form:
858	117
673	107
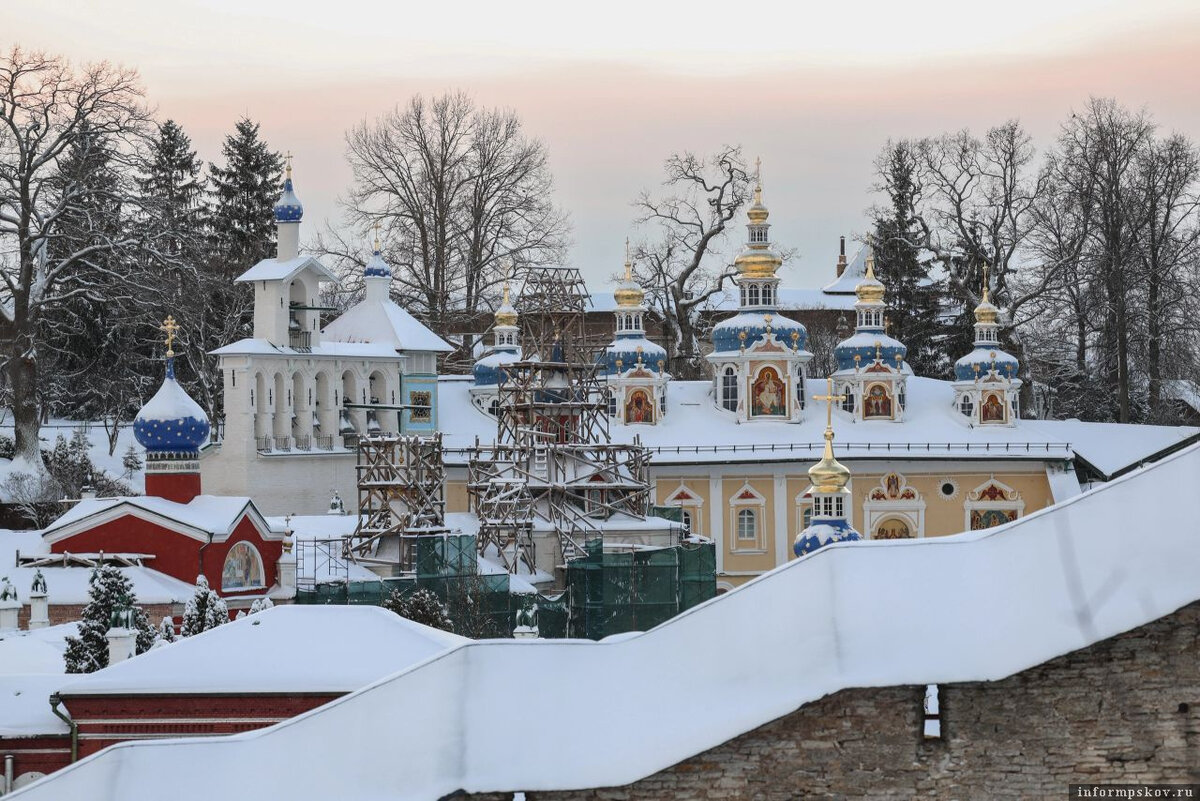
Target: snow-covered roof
34	651
694	430
788	298
24	706
845	283
383	322
286	649
69	585
276	270
326	350
203	515
1017	591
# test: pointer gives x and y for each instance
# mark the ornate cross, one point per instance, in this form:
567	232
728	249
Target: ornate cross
288	160
170	327
377	236
829	399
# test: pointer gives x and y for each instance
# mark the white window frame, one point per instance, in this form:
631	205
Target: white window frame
729	389
757	504
693	505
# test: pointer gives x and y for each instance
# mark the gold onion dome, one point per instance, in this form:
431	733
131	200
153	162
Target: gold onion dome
758	260
829	475
869	289
985	312
758	211
506	314
628	295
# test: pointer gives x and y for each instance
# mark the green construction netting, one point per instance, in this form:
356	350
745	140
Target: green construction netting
607	593
634	590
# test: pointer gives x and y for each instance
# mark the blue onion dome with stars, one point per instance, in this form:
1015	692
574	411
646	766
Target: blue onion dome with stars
870	342
171	422
987	357
376	267
488	370
288	208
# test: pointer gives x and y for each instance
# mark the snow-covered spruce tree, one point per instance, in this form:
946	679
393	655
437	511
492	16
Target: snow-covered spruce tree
204	610
420	606
166	630
244	192
109	590
913	313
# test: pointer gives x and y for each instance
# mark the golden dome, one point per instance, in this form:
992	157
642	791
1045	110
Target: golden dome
506	314
628	295
829	475
757	213
985	312
869	289
757	263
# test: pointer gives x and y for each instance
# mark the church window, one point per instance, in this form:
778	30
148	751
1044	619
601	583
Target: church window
900	399
494	407
270	398
768	295
233	379
800	391
848	401
747	525
753	295
729	389
1016	407
612	404
662	403
966	406
685	517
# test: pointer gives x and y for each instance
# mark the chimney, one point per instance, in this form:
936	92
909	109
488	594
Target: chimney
841	263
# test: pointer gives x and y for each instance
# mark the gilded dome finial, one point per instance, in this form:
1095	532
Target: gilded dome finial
870	289
506	314
169	326
377	236
629	294
628	262
829	475
288	164
985	312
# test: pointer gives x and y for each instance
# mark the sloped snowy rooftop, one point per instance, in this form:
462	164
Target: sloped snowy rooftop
25	707
383	323
34	651
1050	583
210	514
69	585
286	649
326	350
275	270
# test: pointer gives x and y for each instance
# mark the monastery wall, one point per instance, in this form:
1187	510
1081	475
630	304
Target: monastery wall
1125	710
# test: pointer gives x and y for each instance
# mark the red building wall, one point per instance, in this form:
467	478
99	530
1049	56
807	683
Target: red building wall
37	754
174	554
107	719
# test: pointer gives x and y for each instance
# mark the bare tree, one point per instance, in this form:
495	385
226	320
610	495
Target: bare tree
46	108
683	265
459	191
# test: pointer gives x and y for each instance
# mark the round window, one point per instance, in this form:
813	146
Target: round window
947	488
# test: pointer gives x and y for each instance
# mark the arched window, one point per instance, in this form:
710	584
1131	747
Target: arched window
848	402
494	407
800	390
768	295
747	525
966	407
753	295
729	389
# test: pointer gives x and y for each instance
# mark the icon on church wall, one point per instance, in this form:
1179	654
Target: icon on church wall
893	529
987	518
243	568
422	406
993	409
767	395
639	408
878	402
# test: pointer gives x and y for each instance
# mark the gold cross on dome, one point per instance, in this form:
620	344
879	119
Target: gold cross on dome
169	326
377	236
288	160
830	398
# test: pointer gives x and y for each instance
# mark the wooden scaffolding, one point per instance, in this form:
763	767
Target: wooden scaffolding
401	496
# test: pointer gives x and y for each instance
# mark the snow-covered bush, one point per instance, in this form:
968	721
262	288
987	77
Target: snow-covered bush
261	605
421	606
166	630
204	610
109	591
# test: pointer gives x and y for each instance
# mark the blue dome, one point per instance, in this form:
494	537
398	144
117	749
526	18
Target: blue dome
625	347
983	356
376	266
171	422
726	335
822	533
487	370
863	345
288	208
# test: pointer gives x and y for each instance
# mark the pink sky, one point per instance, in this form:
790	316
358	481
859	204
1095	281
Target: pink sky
613	97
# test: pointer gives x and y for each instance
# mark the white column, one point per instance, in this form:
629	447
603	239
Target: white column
716	519
121	642
39	610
